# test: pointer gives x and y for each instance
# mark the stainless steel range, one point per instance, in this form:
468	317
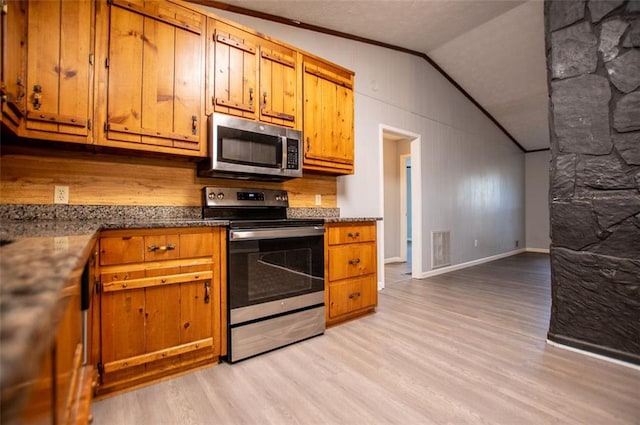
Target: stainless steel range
275	270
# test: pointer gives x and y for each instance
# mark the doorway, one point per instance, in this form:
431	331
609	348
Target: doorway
404	167
401	200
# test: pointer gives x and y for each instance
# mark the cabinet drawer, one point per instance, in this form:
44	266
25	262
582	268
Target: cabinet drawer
351	261
121	250
352	295
353	233
136	247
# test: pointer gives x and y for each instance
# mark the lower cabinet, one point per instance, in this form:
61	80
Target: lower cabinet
62	392
160	303
350	270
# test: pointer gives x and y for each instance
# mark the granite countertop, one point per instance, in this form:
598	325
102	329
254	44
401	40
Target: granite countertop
39	261
43	250
350	219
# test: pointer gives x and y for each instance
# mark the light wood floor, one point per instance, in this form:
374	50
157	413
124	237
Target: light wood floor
466	347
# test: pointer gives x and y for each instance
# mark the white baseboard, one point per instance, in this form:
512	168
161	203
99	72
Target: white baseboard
590	354
394	260
460	266
540	250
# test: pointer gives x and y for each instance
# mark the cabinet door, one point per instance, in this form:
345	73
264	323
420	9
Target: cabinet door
155	83
328	120
123	324
14	34
278	86
156	317
59	71
235	71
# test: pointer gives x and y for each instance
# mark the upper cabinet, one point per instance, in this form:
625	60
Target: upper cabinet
279	85
252	77
13	21
152	79
49	97
328	117
144	75
233	70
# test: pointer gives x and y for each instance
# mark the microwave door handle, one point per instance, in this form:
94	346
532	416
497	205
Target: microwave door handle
284	152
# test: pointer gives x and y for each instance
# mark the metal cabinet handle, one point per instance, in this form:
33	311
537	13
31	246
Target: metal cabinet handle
354	295
352	235
354	262
264	99
37	96
207	290
250	96
169	247
194	124
21	89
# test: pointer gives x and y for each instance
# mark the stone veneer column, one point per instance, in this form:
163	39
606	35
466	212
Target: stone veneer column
593	62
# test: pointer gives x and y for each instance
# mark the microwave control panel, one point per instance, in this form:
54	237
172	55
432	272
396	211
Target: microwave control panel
293	161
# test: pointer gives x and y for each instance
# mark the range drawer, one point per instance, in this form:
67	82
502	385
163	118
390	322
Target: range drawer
351	233
136	246
351	260
352	295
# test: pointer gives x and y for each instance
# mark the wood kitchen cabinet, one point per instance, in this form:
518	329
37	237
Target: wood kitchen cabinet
48	86
350	270
160	303
13	22
151	85
62	393
328	117
252	77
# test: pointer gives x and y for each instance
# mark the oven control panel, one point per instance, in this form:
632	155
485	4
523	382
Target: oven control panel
235	197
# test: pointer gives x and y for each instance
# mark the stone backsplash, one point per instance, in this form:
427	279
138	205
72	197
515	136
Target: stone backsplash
593	60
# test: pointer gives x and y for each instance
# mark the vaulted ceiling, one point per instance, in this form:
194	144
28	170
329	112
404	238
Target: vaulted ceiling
493	49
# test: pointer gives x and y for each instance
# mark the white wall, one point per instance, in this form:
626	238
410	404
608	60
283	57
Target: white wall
472	174
537	200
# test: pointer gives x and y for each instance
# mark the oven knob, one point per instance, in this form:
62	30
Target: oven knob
278	198
212	196
221	196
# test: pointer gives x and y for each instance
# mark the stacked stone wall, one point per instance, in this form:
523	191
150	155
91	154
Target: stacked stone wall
593	59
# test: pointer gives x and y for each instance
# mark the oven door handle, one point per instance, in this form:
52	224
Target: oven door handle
275	233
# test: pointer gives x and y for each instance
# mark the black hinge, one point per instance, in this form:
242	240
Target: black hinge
98	286
89	124
106	63
106	127
91	57
100	368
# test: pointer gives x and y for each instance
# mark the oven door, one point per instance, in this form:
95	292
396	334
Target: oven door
274	270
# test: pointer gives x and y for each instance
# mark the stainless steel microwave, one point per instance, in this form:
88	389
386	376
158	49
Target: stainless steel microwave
245	149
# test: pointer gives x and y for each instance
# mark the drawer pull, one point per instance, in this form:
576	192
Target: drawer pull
354	295
353	235
169	247
354	262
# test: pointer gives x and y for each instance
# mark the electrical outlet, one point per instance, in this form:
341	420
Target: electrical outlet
61	194
475	243
318	199
61	243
